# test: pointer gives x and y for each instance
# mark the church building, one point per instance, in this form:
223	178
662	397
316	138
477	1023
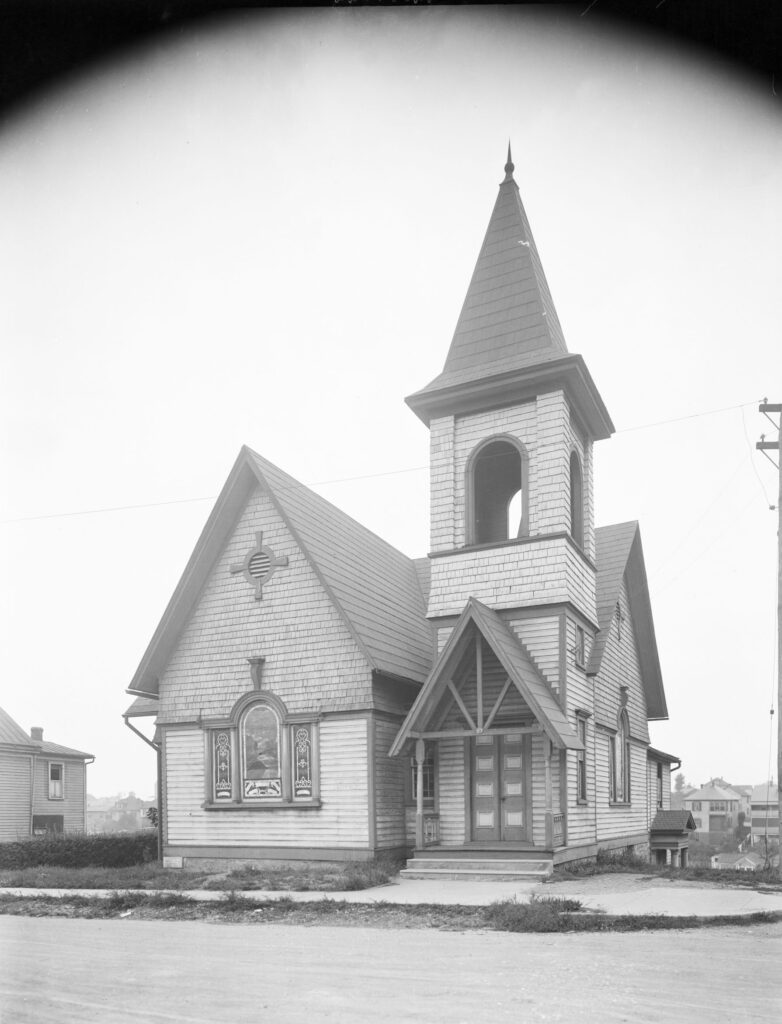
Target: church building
318	695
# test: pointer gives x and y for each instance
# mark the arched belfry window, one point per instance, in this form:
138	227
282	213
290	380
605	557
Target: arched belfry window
576	500
497	492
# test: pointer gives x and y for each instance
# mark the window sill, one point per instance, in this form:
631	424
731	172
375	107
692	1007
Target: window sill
619	803
279	805
582	803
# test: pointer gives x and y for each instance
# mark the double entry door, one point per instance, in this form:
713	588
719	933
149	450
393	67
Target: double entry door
500	790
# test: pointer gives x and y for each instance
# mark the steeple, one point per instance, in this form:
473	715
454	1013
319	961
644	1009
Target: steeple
508	331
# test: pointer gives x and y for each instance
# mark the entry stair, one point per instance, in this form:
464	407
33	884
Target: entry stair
479	864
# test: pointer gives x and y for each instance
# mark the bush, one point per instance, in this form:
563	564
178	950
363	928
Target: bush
117	850
541	914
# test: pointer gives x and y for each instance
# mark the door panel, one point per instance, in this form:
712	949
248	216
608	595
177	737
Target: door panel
498	780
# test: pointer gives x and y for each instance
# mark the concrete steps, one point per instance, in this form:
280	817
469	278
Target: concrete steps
478	868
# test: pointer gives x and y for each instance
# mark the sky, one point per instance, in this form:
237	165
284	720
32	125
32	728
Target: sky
260	230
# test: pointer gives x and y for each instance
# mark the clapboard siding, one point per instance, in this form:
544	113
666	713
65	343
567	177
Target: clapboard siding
73	804
389	788
615	821
15	800
341	821
621	667
451	783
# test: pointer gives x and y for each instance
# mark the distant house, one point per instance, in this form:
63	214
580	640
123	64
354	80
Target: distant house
764	821
715	810
741	861
42	784
118	814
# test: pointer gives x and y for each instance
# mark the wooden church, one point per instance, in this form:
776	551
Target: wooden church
318	695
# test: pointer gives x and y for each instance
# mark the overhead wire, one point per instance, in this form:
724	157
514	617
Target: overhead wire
336	480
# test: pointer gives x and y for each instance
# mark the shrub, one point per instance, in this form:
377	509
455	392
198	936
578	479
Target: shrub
541	914
74	850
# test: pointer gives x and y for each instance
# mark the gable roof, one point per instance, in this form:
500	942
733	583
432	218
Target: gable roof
515	660
12	734
672	821
713	793
619	558
374	587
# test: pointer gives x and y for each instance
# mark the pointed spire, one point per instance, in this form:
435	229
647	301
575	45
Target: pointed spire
509	167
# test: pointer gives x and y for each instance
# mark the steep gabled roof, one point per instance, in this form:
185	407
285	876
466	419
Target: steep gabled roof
374	587
619	558
515	660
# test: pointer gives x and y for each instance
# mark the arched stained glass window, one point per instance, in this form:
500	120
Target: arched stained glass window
260	746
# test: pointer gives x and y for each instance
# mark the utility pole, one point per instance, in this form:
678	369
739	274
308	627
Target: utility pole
764	446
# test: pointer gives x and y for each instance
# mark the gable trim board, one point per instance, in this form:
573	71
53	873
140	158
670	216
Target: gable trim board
410	656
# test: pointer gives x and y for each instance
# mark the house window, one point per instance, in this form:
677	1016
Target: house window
697	822
659	786
263	757
56	780
496	488
576	500
580	649
619	763
47	823
718	806
696	805
581	763
429	773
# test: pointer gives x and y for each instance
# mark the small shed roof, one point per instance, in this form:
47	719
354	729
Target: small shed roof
673	821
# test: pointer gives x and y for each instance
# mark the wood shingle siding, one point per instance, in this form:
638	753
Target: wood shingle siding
341	821
308	648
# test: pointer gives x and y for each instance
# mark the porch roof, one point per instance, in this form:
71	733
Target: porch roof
515	660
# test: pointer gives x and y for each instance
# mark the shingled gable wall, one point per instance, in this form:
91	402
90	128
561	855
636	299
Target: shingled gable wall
312	660
312	664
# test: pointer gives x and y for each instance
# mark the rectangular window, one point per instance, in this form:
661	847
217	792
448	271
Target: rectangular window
581	782
43	823
580	650
659	786
56	776
695	805
222	761
301	749
612	769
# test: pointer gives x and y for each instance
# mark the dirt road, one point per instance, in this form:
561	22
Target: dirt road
58	971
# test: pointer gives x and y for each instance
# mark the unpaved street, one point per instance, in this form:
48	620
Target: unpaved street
55	970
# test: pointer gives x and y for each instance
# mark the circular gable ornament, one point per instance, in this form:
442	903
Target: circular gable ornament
259	565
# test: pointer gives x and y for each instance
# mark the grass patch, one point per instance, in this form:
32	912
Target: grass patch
545	914
608	863
352	876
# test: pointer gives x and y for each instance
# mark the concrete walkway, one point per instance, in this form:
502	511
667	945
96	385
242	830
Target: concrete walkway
614	894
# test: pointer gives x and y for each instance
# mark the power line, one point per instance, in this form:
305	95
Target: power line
338	480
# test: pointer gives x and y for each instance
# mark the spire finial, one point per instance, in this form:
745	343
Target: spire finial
509	166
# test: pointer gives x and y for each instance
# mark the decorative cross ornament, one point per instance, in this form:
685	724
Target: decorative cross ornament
259	565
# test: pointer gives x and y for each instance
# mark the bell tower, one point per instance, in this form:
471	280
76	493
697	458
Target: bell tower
512	417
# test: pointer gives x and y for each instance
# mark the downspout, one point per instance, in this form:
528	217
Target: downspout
156	748
32	793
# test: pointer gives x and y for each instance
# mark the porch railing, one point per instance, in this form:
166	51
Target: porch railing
558	829
431	828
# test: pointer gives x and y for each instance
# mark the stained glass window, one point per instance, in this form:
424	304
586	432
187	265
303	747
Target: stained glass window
302	761
222	765
260	739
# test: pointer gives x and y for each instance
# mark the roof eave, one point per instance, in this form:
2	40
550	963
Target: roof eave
518	385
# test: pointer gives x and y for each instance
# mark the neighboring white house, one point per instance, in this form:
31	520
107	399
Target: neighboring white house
764	821
43	785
